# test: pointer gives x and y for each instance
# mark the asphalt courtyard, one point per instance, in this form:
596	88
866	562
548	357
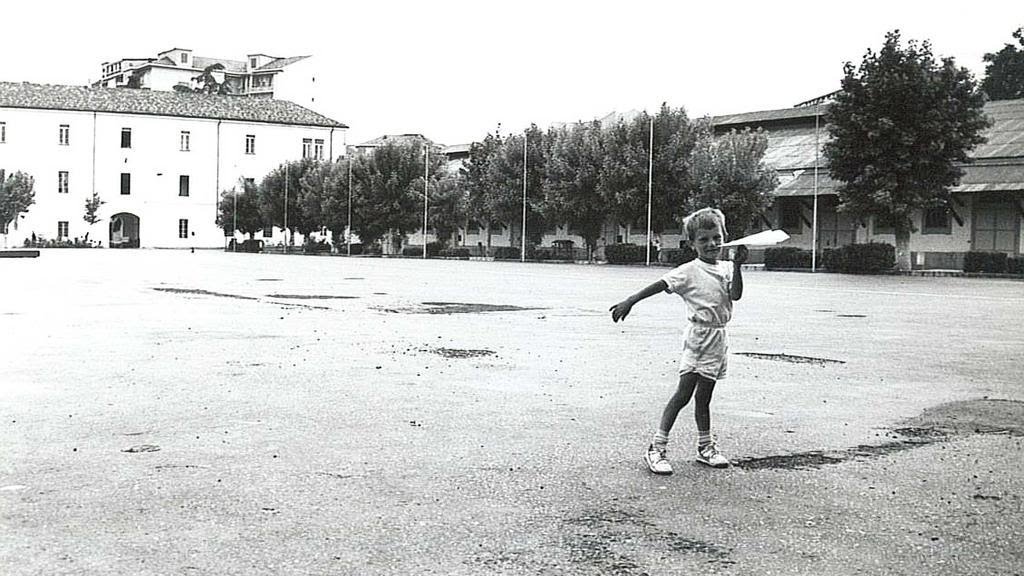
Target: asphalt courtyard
163	412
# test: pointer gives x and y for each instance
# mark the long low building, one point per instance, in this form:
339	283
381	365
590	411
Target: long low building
985	214
158	160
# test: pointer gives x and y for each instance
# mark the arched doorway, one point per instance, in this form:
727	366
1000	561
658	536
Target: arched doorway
124	230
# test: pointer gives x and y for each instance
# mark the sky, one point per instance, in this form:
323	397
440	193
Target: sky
456	70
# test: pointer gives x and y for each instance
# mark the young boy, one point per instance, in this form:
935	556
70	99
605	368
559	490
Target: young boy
708	287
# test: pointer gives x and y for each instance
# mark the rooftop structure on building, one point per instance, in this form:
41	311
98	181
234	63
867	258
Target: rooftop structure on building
257	75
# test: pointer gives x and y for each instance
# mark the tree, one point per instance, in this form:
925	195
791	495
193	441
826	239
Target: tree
388	191
572	185
334	206
729	173
1004	73
208	82
285	182
625	168
241	209
448	206
478	180
17	193
899	127
92	206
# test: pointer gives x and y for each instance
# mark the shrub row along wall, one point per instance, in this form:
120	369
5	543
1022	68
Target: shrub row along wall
850	259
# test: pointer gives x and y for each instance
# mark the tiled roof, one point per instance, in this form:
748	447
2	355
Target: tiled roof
803	114
159	103
395	138
201	63
281	62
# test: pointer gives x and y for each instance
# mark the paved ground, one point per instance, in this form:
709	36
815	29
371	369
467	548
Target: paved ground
175	413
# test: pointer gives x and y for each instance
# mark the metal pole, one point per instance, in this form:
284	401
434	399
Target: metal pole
286	208
650	189
814	217
234	219
348	235
522	245
426	180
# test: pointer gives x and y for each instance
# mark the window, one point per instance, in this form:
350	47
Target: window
250	143
186	141
183	185
62	229
307	147
183	228
937	221
252	63
268	232
318	148
64	136
126	137
3	132
126	183
62	182
184	58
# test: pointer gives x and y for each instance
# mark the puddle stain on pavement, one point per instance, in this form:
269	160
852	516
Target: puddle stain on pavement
791	358
603	540
199	292
311	297
934	425
457	308
461	353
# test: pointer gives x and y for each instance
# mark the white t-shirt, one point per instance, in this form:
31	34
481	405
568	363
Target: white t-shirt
705	288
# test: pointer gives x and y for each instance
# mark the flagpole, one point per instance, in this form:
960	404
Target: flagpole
348	236
650	189
286	207
814	217
426	176
522	249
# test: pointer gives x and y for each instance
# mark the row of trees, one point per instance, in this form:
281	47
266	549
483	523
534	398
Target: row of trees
582	175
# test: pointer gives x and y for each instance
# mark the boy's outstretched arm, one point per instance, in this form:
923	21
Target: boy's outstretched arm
736	288
621	310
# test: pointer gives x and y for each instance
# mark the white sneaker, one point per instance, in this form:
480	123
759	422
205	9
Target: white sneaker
710	456
656	460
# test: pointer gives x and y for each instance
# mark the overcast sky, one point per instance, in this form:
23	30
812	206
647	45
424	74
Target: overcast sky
452	70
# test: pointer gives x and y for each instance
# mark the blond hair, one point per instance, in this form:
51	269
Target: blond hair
704	219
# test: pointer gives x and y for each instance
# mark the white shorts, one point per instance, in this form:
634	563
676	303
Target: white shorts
705	351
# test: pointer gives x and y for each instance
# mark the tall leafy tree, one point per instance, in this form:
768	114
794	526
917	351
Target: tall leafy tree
388	191
728	172
17	194
573	181
334	206
900	127
625	168
478	179
1004	71
241	206
283	182
448	206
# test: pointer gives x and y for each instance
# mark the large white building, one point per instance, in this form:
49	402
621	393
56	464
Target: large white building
159	160
293	78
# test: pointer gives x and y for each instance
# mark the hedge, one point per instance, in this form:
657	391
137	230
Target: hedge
506	253
433	249
786	257
991	262
628	253
870	258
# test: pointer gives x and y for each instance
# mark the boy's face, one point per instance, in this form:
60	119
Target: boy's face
707	242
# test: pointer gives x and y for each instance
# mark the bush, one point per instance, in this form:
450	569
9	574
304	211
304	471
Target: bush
316	247
433	249
506	253
991	262
453	253
868	258
628	253
1015	265
676	256
786	257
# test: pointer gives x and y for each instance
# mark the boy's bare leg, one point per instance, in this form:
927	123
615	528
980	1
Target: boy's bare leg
702	406
687	384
